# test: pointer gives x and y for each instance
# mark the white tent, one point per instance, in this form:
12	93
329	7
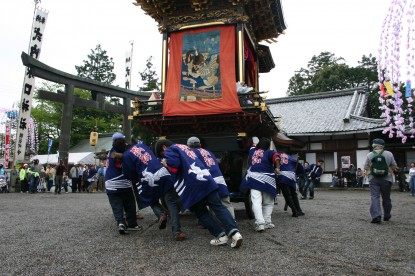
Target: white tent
74	158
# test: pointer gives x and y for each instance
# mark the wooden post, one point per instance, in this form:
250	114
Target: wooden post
66	123
164	61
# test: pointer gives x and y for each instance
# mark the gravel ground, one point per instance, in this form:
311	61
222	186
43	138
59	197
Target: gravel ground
75	234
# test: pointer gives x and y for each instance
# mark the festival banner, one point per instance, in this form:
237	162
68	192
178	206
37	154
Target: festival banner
36	38
128	65
50	143
7	146
201	77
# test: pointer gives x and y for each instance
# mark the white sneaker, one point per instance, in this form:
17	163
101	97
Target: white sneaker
220	241
269	225
236	240
259	228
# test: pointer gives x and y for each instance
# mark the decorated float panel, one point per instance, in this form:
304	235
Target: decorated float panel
213	52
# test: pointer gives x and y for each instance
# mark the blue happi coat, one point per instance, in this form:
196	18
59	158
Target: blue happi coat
193	180
212	165
288	166
115	180
260	174
142	166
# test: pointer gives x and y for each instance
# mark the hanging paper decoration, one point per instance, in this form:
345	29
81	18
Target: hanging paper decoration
396	69
389	88
408	92
382	90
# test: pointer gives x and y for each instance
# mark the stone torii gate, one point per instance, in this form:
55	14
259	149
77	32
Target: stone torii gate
69	100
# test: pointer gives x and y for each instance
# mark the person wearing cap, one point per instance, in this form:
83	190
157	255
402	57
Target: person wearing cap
154	183
210	161
380	163
119	188
198	190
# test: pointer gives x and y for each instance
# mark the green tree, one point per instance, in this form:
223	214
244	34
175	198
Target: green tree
98	66
150	82
326	72
149	77
48	117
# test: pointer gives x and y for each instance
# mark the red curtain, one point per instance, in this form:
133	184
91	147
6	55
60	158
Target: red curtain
228	102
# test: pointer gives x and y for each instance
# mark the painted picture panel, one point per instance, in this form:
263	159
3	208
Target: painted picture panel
200	67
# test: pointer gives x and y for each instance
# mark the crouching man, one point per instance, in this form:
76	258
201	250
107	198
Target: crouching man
198	190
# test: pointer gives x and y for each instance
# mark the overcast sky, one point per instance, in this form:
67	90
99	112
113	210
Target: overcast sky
348	28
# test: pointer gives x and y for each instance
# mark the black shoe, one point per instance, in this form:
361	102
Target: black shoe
377	220
387	218
295	215
121	229
311	197
301	213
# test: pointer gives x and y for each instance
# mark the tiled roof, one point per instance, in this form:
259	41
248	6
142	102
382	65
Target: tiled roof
104	143
327	113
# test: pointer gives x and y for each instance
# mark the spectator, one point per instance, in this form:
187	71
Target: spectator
49	176
380	163
74	175
302	177
352	176
23	177
313	178
60	170
360	176
412	178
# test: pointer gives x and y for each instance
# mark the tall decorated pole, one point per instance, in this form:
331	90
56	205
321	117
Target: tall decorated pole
35	44
128	66
127	101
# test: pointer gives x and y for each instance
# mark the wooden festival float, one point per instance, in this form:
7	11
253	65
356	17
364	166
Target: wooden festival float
208	47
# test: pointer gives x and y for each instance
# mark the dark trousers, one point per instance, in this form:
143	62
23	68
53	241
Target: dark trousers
291	198
75	184
222	214
123	201
34	182
172	202
58	183
49	184
24	186
380	188
309	185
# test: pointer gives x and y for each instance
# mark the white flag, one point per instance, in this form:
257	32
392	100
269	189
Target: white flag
36	38
128	65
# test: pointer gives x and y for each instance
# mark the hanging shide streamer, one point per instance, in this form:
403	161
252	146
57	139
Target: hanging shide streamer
396	69
36	38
